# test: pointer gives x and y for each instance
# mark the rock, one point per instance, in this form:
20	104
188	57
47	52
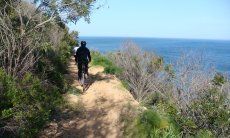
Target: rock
72	122
65	125
53	124
59	134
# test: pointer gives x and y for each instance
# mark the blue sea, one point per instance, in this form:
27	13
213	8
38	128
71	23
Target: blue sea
216	51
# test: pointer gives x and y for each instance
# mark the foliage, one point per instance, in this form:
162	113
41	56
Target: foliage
35	46
74	90
150	124
52	64
204	134
109	66
210	111
142	71
27	25
218	79
29	103
207	116
66	10
188	95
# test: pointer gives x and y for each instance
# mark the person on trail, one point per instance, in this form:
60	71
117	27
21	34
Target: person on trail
74	51
82	57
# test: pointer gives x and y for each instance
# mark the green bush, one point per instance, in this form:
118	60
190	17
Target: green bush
52	65
64	52
29	103
212	112
109	66
151	124
207	115
125	84
204	134
218	79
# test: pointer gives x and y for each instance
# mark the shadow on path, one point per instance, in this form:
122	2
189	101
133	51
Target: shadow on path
97	77
94	114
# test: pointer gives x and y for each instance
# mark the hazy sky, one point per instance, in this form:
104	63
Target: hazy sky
207	19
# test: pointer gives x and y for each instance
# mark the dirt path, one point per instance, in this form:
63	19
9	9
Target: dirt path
100	108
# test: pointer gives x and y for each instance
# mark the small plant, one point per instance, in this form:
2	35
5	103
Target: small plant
204	134
29	103
209	112
150	124
218	80
109	66
74	90
142	71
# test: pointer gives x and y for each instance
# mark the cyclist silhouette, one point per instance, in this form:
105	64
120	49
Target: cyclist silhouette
82	57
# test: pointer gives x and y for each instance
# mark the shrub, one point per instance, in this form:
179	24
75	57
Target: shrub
109	66
193	100
193	75
30	103
150	124
142	71
204	134
51	66
219	79
209	112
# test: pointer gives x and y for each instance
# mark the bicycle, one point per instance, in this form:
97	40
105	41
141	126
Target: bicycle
83	77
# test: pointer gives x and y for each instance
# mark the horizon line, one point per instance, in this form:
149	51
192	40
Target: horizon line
159	37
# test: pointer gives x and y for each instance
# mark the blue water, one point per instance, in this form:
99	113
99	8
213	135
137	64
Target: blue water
217	52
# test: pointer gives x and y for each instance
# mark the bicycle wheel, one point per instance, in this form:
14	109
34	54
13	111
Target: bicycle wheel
83	77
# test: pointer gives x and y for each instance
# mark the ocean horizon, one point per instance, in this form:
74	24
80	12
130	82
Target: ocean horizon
216	52
149	37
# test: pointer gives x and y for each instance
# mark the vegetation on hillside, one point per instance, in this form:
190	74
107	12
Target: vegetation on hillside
187	99
104	61
35	46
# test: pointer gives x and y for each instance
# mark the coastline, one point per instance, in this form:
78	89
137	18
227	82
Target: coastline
216	51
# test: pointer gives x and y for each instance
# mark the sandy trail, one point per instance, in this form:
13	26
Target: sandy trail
101	104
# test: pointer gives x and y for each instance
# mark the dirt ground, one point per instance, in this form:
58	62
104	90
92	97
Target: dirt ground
98	109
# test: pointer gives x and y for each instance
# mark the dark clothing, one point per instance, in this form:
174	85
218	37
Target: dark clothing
82	57
79	66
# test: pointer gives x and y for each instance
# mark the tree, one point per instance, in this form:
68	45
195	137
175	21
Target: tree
34	47
65	10
23	24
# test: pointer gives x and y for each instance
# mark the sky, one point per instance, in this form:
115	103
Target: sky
200	19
